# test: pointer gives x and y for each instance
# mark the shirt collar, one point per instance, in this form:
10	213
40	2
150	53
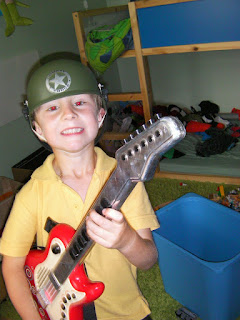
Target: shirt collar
46	172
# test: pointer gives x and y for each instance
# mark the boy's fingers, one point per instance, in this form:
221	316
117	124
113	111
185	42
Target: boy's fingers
113	215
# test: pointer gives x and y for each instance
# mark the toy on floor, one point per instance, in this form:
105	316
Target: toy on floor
231	200
12	17
185	314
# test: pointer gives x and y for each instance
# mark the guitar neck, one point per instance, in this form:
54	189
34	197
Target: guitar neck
113	195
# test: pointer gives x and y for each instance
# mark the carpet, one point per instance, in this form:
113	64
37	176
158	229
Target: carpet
162	305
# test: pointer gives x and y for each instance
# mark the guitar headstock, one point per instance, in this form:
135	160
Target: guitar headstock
144	147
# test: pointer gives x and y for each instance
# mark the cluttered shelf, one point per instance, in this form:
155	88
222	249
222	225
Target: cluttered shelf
197	27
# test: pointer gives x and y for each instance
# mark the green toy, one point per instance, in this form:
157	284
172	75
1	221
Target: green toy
12	17
105	44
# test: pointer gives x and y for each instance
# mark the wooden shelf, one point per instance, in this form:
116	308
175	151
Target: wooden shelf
115	135
154	3
97	12
130	96
128	54
232	45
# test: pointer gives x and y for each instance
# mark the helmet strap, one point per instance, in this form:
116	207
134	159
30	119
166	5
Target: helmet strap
25	110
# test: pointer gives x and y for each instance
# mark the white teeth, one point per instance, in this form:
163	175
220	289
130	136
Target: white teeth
74	130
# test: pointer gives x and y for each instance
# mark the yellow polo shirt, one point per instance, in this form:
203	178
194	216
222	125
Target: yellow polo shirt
45	195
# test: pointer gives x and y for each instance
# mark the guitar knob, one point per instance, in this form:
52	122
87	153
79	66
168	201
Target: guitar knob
56	249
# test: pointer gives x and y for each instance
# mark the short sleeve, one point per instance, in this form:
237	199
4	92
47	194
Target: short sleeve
138	210
20	229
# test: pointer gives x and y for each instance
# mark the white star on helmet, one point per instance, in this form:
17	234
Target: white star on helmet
53	83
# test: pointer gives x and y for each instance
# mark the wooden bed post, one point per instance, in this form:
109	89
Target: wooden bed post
142	64
80	35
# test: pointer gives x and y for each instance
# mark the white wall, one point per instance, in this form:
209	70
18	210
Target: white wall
187	79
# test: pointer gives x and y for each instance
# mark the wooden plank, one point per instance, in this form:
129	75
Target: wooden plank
80	35
96	12
129	96
154	3
128	54
114	135
197	177
142	65
232	45
162	205
198	47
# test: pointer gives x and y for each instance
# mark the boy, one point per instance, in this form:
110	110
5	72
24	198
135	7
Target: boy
66	112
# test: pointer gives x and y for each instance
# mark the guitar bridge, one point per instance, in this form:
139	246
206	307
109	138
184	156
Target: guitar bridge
42	298
47	294
49	287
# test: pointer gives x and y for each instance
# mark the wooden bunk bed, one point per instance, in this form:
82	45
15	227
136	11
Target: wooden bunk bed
183	26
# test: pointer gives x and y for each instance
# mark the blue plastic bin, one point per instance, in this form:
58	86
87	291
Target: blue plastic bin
199	256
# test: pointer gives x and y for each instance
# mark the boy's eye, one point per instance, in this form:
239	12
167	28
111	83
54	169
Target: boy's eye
53	108
79	103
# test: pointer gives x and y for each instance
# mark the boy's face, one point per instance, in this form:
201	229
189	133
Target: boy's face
70	123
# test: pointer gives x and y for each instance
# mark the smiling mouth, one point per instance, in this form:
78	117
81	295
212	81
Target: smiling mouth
72	131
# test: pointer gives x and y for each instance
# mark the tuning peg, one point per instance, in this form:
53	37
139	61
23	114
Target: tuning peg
150	122
129	138
157	116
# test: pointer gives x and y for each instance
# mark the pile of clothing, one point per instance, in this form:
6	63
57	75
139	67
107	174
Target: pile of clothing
218	134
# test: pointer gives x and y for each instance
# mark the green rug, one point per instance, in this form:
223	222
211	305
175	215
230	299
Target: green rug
162	305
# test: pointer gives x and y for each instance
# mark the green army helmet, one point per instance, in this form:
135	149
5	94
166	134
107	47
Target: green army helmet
57	79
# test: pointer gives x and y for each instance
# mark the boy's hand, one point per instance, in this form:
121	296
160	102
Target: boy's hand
110	230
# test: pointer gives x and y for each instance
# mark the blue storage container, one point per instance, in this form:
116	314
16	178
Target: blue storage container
199	256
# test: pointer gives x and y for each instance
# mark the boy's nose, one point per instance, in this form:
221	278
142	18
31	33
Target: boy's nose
68	112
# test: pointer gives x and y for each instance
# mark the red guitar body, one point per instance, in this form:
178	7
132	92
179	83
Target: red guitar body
66	303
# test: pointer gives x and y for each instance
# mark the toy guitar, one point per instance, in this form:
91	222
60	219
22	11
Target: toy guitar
56	275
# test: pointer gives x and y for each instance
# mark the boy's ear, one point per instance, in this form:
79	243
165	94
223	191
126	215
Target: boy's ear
38	131
102	113
101	116
36	127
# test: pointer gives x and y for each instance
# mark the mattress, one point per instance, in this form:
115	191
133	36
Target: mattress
225	164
